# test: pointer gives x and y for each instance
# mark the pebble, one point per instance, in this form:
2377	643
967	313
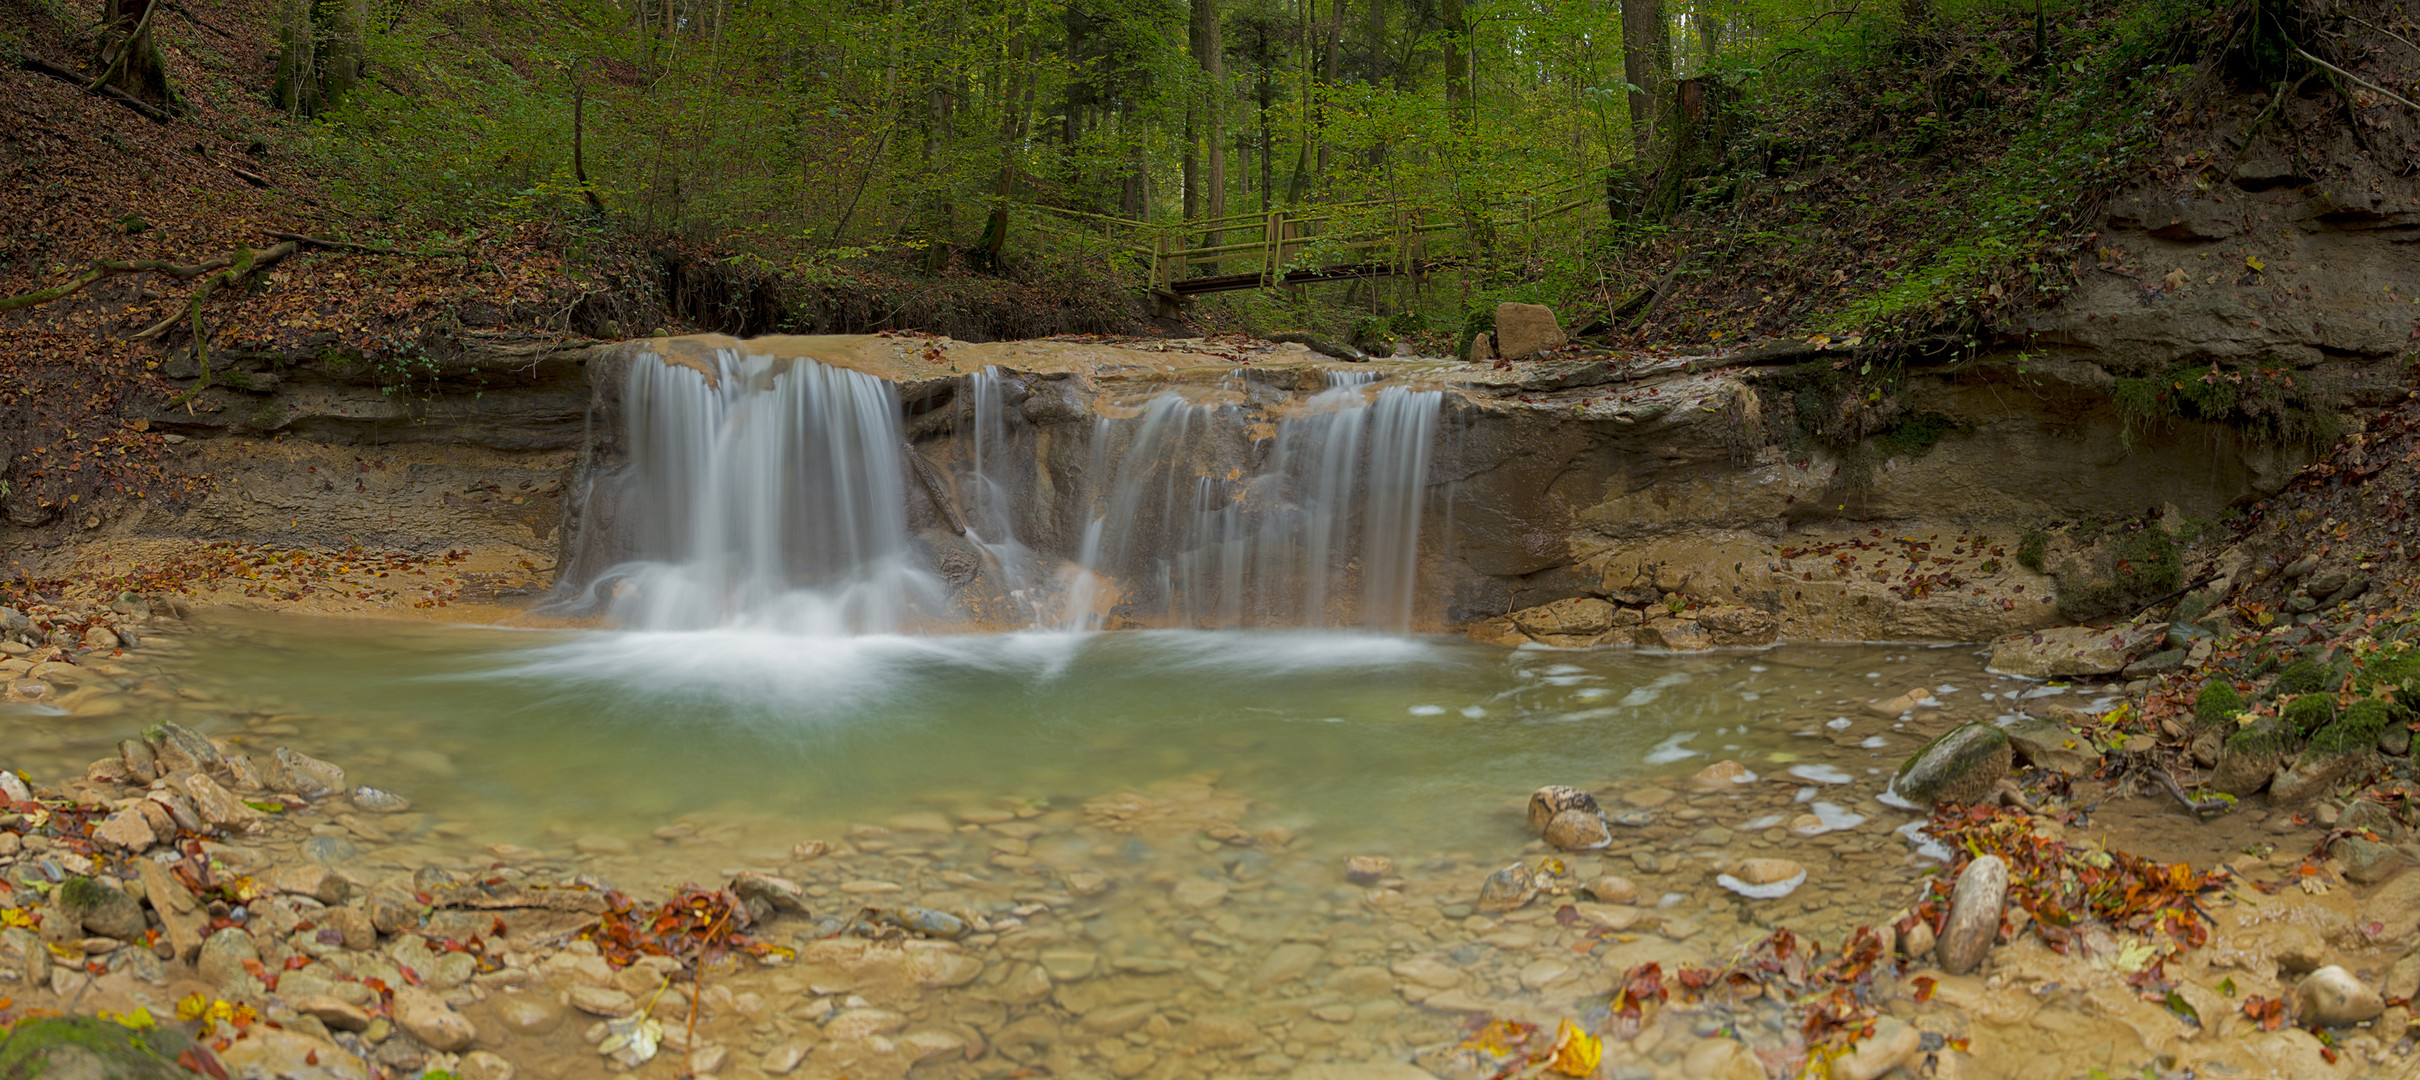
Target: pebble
1577	830
601	1001
526	1014
485	1065
1507	889
1198	893
1975	906
1553	800
867	888
1725	775
1367	869
1893	1043
1068	965
1613	889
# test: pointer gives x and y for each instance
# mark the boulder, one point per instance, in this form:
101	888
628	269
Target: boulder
1962	765
1507	889
1975	906
2366	862
102	909
1482	349
2045	744
2073	650
1524	330
2334	997
2248	757
427	1017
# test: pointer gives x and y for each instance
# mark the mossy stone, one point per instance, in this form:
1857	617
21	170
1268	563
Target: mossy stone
1962	765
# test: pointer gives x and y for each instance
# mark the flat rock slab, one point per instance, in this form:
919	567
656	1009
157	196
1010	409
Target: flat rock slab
2073	650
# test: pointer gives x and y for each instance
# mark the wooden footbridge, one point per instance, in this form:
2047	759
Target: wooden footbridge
1302	245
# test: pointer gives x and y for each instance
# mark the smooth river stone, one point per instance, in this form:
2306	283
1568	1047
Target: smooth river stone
1975	906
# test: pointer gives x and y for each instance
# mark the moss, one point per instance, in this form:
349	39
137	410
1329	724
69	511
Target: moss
2300	677
2309	713
2258	740
80	894
2356	730
85	1046
2031	547
1479	321
2218	703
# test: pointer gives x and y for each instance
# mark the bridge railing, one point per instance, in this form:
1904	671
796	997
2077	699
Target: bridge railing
1399	230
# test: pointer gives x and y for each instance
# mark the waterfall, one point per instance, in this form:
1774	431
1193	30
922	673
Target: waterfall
767	494
778	493
1183	538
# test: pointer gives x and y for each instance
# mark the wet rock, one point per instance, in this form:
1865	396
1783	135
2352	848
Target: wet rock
1027	986
140	762
1553	799
924	1047
2044	744
857	1025
1725	775
221	962
1905	703
330	850
12	787
379	802
2072	650
353	926
937	968
243	774
1918	943
2158	663
102	909
601	1001
1507	889
1428	972
2366	862
1376	1070
1285	964
766	894
100	639
427	1017
1524	330
486	1065
926	921
1678	635
1068	965
317	882
1198	893
1894	1043
1614	890
2334	997
1961	766
526	1014
1367	869
1764	879
1499	631
1975	906
219	807
304	775
1578	830
181	749
1578	616
1734	626
392	915
126	830
269	1051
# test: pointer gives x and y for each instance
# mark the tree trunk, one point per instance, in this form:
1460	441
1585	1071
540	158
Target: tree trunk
130	56
1647	64
1209	54
319	60
1457	61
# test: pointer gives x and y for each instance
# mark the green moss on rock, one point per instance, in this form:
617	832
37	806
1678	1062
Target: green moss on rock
2300	677
2218	703
2308	713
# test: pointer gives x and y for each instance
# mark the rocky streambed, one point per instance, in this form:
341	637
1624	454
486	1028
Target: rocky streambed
1731	916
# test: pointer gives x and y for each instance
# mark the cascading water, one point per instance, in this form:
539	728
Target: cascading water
1181	539
781	493
765	493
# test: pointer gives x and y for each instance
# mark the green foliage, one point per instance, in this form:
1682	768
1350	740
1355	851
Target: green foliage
2218	703
2270	404
1916	435
2309	713
1481	320
2032	545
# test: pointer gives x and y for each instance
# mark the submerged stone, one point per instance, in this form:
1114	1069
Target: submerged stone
1961	766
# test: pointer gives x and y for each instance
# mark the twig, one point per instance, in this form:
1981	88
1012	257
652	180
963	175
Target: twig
2206	806
331	245
2358	80
2387	32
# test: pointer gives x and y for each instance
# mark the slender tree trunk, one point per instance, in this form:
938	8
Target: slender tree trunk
1457	59
1647	64
1209	54
130	57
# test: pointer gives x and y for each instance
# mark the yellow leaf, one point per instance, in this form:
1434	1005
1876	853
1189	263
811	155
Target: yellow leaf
1576	1051
192	1006
2253	263
16	917
138	1019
